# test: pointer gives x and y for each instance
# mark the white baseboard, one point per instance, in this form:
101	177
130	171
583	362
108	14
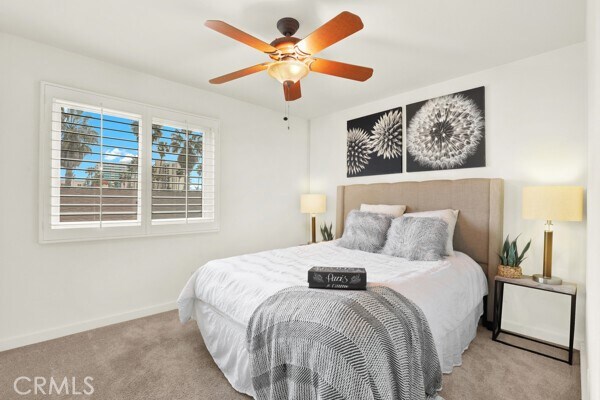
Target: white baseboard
542	334
53	333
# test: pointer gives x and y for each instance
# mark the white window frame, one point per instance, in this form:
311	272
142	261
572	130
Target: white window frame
51	92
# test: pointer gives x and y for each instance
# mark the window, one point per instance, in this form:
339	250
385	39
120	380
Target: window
182	173
113	168
95	167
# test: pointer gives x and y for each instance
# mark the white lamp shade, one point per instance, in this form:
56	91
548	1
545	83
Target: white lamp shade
313	203
555	203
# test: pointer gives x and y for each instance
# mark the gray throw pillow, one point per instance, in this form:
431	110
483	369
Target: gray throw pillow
365	231
422	239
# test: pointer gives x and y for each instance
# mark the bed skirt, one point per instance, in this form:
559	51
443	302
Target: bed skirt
225	340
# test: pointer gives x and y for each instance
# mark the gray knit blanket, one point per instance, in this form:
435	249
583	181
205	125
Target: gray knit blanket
334	344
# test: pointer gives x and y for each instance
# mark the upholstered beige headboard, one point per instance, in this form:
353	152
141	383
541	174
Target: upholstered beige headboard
480	201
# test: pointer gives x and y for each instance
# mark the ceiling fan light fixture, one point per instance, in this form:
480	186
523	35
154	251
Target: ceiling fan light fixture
288	70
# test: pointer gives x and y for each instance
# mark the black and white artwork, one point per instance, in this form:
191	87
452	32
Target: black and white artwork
374	144
447	132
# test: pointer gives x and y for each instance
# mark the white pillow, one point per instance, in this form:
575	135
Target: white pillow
393	210
450	216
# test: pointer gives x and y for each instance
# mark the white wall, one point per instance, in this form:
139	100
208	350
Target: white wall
592	376
535	135
54	289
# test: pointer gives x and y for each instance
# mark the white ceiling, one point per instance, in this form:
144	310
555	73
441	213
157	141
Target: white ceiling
409	43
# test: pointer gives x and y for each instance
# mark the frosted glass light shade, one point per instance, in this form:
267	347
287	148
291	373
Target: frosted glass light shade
313	203
291	70
555	203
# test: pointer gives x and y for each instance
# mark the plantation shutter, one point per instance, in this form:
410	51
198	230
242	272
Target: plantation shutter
95	167
183	173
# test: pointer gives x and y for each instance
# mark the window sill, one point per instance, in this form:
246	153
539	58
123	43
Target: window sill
77	235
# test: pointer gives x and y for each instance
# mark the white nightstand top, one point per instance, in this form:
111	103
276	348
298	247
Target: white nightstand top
527	281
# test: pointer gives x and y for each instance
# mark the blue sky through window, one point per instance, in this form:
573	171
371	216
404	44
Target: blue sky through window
119	145
168	148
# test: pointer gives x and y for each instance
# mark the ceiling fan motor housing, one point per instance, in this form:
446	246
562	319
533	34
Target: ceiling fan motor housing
286	48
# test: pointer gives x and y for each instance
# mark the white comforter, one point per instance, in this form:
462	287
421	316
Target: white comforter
447	291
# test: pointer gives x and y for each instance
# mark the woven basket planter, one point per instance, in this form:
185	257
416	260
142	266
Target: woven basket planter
510	272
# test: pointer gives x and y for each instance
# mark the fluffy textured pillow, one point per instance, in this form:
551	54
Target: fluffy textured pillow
449	216
365	231
422	239
393	210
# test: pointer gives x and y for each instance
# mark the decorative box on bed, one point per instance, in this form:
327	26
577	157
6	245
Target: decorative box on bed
337	278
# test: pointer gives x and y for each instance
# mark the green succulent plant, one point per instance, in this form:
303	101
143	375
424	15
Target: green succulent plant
327	232
510	253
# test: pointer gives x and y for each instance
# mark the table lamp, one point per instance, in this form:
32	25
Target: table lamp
552	203
313	204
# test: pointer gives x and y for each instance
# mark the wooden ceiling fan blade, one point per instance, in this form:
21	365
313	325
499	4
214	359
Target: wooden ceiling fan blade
342	70
241	73
240	36
338	28
291	91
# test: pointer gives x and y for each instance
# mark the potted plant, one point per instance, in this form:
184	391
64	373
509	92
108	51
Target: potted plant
511	259
327	232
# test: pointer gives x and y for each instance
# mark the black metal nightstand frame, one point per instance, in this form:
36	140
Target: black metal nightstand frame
497	327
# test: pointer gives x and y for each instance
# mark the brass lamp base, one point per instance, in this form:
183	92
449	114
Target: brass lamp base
547	277
548	280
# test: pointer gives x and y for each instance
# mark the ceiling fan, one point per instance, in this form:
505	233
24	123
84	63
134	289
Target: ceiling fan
293	58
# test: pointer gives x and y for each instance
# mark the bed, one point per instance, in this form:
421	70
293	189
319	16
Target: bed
222	295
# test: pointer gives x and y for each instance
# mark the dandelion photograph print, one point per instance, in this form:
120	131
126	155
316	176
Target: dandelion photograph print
374	144
446	132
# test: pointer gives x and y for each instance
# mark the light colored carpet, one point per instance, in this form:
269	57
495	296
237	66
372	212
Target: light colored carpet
158	358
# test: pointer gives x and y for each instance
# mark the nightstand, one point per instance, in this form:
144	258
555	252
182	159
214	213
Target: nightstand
566	289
